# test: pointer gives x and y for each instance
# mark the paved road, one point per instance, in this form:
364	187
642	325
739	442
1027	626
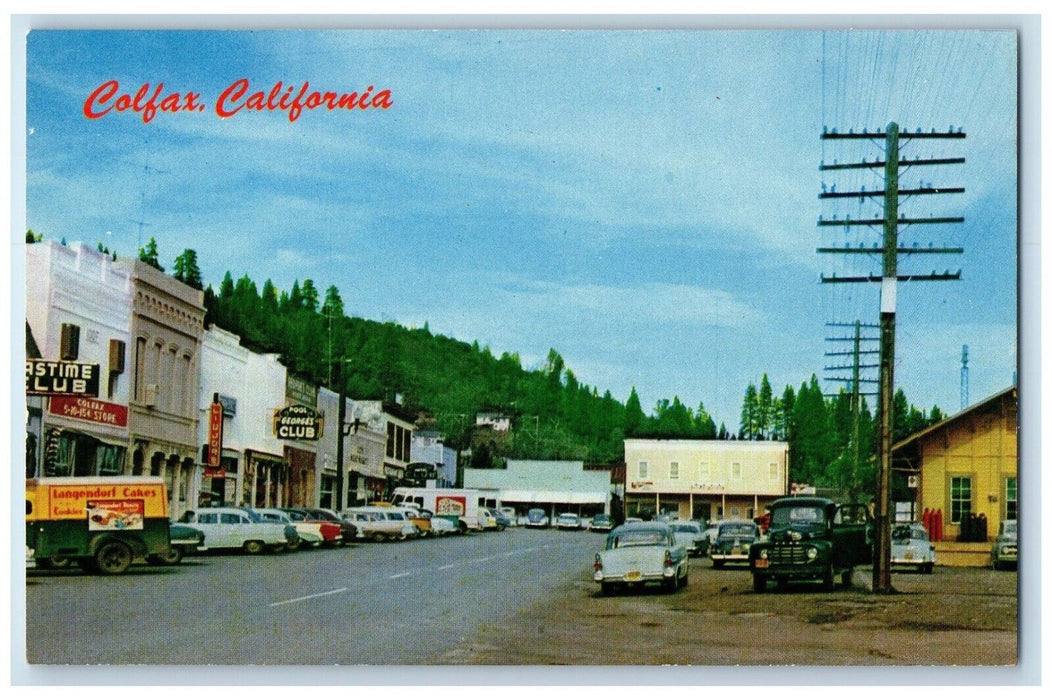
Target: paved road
393	603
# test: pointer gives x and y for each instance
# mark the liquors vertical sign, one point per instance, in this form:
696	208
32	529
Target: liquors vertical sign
215	440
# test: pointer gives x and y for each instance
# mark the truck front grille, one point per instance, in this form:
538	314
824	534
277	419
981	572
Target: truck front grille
787	554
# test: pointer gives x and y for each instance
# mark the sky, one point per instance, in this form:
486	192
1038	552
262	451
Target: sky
644	202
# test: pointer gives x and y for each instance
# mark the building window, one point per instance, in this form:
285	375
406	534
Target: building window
140	368
960	498
673	470
772	472
643	473
1011	498
69	342
736	470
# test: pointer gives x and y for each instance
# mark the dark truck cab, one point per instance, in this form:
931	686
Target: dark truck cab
812	539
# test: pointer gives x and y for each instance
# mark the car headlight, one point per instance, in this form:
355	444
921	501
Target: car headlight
812	553
763	554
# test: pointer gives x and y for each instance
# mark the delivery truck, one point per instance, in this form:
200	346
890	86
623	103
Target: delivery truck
462	507
101	523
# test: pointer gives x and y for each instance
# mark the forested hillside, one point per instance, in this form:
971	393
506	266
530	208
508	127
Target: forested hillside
447	381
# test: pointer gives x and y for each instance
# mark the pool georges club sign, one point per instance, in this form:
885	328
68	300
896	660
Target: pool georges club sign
298	422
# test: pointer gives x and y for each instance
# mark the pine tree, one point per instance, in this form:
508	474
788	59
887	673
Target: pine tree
149	254
764	409
750	410
634	416
186	269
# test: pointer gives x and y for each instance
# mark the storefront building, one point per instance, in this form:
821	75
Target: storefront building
392	421
77	318
167	323
704	479
555	486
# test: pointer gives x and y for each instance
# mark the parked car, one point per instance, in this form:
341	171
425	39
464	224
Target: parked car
641	553
911	546
601	522
347	528
503	521
689	534
487	520
510	514
240	528
443	526
536	517
710	532
1005	549
380	524
184	540
733	540
568	521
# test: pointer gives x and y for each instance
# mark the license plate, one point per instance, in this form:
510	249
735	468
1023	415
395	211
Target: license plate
762	563
908	556
633	575
736	551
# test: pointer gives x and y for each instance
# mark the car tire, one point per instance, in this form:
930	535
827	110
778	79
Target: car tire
253	547
607	588
845	578
669	585
759	583
174	556
717	564
113	557
928	568
685	580
379	537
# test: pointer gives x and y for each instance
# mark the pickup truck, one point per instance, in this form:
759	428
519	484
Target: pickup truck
640	553
813	539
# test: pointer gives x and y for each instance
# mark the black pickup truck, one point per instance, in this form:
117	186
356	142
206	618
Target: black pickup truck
812	539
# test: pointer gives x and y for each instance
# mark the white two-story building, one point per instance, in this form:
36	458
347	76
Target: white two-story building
704	479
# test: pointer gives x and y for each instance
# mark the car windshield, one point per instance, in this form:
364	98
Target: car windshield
601	518
902	532
797	515
1009	528
637	538
686	527
738	530
252	515
536	513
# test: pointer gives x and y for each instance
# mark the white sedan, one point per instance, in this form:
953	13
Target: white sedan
911	546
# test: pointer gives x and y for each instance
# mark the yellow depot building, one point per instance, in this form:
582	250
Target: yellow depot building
704	479
966	465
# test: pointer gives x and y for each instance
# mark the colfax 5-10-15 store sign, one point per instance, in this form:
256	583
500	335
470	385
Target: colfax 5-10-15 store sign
298	423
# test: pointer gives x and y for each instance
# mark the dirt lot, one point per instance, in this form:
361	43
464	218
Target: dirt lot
954	616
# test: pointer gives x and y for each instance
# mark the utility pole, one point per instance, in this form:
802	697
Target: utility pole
854	383
891	139
964	377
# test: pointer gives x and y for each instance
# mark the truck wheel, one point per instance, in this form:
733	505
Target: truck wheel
759	583
828	580
463	527
113	557
253	547
717	564
607	588
54	562
845	578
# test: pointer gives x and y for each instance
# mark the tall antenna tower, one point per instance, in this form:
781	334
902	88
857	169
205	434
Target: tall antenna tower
964	377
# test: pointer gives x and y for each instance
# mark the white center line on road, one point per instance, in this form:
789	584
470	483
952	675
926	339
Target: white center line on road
447	566
307	597
404	573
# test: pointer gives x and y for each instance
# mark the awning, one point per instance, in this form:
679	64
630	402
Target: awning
515	496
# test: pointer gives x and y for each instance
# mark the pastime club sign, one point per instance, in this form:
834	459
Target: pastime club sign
61	378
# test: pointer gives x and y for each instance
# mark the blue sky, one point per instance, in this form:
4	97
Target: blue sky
644	202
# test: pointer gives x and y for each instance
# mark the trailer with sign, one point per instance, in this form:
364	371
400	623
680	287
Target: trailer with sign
102	524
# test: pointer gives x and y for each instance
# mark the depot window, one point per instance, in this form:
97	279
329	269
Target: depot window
673	470
960	498
736	470
643	471
1011	498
